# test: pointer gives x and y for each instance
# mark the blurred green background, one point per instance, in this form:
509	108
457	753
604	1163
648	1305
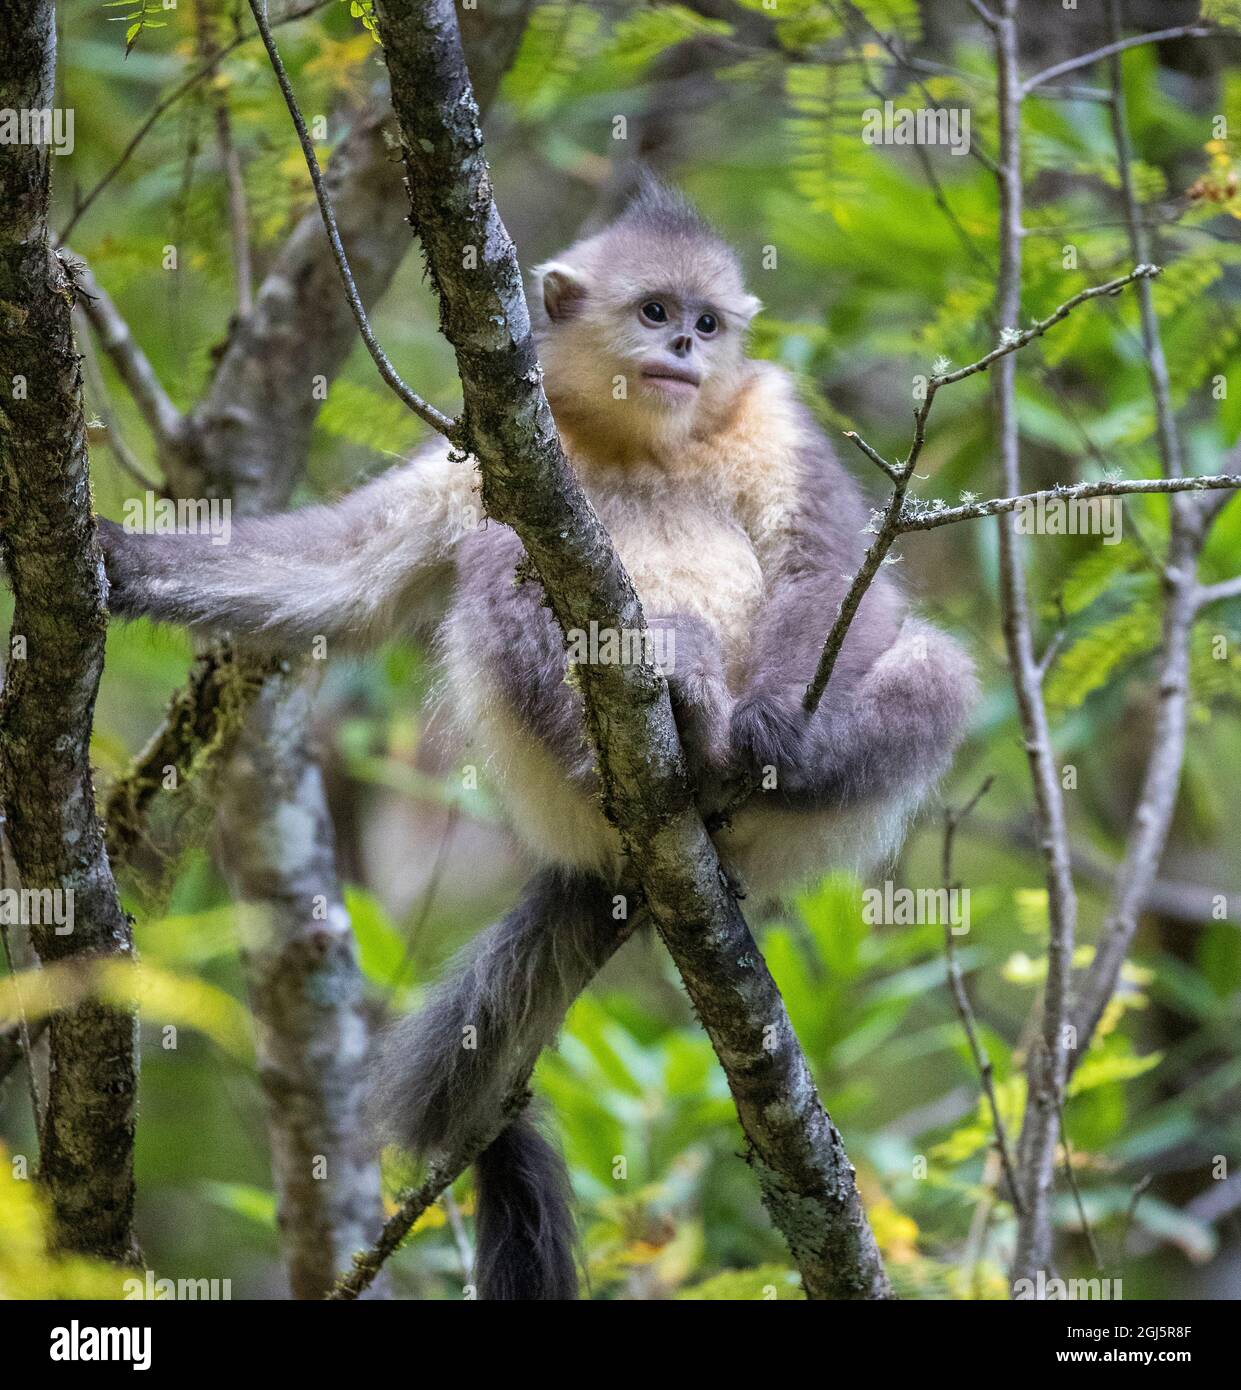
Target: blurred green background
871	262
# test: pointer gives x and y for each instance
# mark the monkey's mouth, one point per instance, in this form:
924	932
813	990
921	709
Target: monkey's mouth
673	382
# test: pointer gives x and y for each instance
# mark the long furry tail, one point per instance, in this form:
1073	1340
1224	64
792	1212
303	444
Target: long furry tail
525	1218
446	1072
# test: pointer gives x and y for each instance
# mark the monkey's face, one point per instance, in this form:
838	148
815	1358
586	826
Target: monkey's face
643	339
672	347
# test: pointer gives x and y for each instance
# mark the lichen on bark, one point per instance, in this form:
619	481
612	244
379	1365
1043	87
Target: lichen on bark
55	660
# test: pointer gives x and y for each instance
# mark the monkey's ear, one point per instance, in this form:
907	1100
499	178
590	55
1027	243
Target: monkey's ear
747	307
563	290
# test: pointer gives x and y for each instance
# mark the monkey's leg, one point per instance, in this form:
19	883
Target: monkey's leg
893	732
446	1071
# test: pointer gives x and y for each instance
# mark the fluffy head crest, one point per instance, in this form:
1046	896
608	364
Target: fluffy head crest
660	242
663	211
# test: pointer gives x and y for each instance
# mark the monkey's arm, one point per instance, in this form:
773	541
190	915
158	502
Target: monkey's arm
377	562
895	708
890	732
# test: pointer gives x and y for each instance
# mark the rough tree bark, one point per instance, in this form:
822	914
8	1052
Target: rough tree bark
804	1174
55	660
306	993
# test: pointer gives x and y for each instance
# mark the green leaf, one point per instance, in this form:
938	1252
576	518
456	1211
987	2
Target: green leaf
1113	1065
382	950
1095	572
1089	663
256	1204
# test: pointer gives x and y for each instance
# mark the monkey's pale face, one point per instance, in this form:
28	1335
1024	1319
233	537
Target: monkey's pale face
675	349
642	347
664	353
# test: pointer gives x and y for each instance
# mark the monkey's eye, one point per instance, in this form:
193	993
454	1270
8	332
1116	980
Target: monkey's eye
707	324
654	312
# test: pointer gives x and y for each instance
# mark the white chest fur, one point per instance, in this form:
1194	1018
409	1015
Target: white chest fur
687	555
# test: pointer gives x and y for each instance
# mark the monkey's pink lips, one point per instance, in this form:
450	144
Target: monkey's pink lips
673	381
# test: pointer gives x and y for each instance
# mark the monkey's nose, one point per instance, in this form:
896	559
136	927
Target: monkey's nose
682	345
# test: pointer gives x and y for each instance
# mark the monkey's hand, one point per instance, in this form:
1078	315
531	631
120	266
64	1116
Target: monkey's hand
768	736
694	666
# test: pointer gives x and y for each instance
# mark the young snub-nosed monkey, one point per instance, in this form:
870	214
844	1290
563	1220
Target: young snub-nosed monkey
740	530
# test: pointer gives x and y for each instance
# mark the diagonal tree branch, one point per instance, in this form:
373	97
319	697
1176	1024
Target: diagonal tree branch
134	368
1217	593
805	1176
1117	46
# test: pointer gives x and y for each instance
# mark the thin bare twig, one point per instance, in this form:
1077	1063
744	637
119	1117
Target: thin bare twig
1073	492
425	412
367	1263
230	163
1217	593
445	1170
1045	1066
98	397
984	14
25	1033
161	416
1139	1190
1085	60
892	521
916	67
16	1042
891	469
1152	816
1071	1178
965	1011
